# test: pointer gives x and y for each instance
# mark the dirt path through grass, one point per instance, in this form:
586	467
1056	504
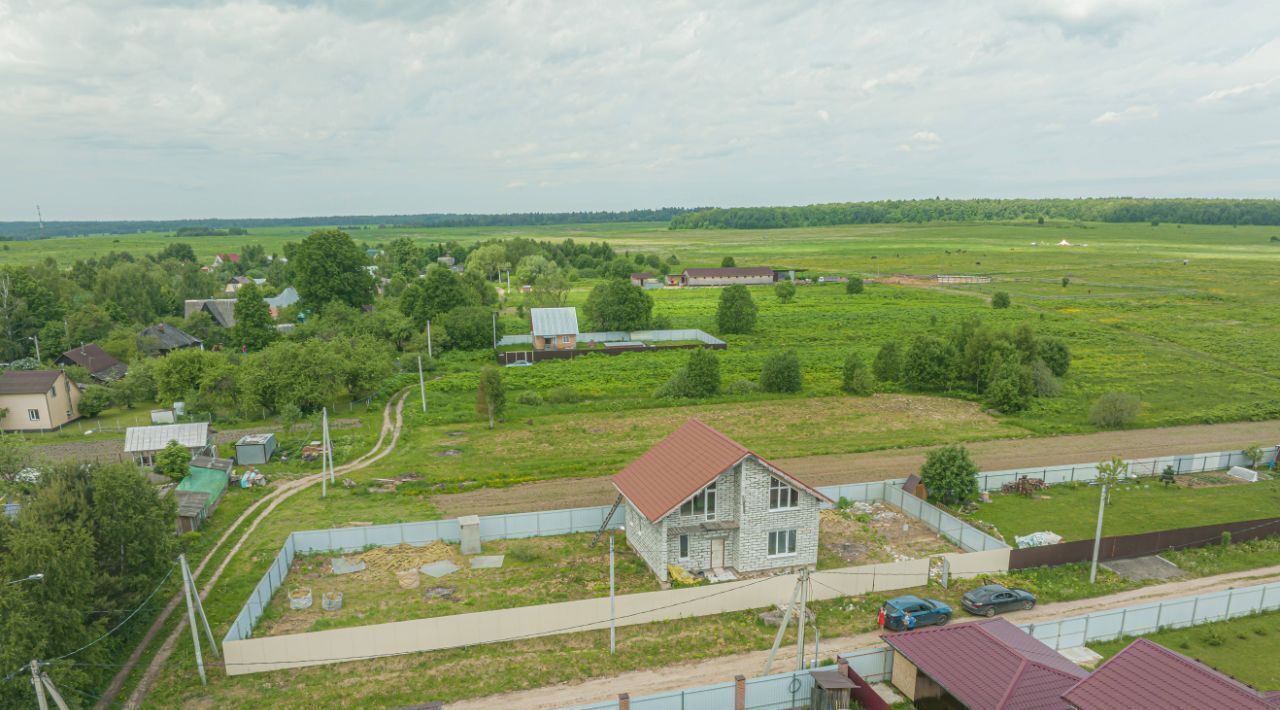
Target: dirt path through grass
390	429
991	455
716	670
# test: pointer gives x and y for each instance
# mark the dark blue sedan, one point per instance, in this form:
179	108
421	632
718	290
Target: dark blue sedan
911	612
991	599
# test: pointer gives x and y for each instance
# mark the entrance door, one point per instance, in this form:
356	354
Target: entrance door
717	554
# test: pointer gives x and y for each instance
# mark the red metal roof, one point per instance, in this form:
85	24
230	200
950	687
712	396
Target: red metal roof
990	665
681	465
1146	675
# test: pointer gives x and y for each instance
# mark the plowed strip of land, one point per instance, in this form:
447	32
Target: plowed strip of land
992	455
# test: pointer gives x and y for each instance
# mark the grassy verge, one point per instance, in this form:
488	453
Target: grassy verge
1238	647
1071	510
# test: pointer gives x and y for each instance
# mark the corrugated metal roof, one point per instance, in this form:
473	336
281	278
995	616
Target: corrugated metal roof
681	465
285	298
213	464
28	381
554	321
154	438
170	338
729	272
95	360
990	665
1148	676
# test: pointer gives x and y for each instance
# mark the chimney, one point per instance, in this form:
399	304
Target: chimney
624	701
842	665
739	692
82	347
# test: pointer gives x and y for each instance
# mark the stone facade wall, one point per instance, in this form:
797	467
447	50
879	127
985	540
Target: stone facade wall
556	341
727	509
648	540
757	521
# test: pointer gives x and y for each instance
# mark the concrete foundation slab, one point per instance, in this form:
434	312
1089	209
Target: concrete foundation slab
1082	656
1144	568
341	565
487	561
439	569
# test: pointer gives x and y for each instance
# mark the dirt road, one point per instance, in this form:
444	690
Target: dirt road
387	440
715	670
994	455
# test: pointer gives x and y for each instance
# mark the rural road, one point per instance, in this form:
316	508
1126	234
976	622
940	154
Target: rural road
724	668
993	455
389	435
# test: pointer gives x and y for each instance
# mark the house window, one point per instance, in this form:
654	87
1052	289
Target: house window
684	547
782	542
33	415
564	339
702	503
782	496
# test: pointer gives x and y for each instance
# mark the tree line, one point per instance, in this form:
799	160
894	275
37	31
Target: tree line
1119	209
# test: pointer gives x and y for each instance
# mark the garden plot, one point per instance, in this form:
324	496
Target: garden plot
403	582
866	533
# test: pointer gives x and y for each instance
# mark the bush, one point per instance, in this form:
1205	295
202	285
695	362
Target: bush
742	387
949	474
736	312
662	321
470	327
618	305
857	377
786	291
174	461
529	397
781	372
1114	410
1044	383
700	377
854	285
95	401
564	394
928	364
1055	353
1011	387
1000	300
888	363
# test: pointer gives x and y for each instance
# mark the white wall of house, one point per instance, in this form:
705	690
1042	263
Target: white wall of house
758	521
647	539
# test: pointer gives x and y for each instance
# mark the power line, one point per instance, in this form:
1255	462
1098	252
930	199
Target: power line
125	620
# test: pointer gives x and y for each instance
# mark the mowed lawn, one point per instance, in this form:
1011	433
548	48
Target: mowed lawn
1245	648
1072	511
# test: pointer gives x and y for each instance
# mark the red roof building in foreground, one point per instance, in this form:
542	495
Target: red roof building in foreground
702	501
1148	676
984	665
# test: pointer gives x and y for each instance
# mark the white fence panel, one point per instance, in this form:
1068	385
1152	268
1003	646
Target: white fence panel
777	692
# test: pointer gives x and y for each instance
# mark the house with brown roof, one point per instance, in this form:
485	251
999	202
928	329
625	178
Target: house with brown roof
702	501
37	400
101	366
1148	676
982	665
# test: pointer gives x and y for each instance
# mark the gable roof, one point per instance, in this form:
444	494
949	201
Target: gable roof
728	272
154	438
1012	669
28	381
1147	675
92	358
170	338
222	310
554	321
683	464
285	298
641	275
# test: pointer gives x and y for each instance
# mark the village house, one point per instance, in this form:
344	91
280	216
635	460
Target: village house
37	400
703	502
169	338
746	276
222	310
238	282
554	328
101	366
144	442
282	300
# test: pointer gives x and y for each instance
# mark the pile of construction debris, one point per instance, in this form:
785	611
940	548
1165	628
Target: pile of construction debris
383	562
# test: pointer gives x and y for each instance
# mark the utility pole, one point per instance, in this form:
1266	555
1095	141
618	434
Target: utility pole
782	626
195	633
40	216
204	620
800	623
428	338
324	452
1097	536
36	340
613	618
53	691
41	700
495	331
422	386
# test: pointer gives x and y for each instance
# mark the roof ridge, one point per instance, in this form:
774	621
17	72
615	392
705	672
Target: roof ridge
1013	683
717	432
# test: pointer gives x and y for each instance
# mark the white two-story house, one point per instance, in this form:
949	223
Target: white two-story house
702	501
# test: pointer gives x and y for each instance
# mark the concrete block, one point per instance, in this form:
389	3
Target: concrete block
341	565
487	561
439	569
469	528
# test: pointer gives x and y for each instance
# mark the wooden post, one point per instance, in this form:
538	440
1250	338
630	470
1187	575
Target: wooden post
739	692
624	701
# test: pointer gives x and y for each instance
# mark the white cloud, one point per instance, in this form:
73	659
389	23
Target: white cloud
1133	113
284	107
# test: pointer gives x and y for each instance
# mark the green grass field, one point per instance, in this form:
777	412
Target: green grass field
1238	647
1072	511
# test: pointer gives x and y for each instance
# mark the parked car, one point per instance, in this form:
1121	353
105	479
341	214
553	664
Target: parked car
991	599
912	612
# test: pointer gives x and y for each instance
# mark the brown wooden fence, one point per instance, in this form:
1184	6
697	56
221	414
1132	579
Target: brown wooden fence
1122	546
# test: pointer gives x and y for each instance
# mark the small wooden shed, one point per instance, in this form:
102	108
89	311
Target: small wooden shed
199	493
255	448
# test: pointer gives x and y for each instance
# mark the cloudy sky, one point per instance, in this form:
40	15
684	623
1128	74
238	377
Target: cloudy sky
115	109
